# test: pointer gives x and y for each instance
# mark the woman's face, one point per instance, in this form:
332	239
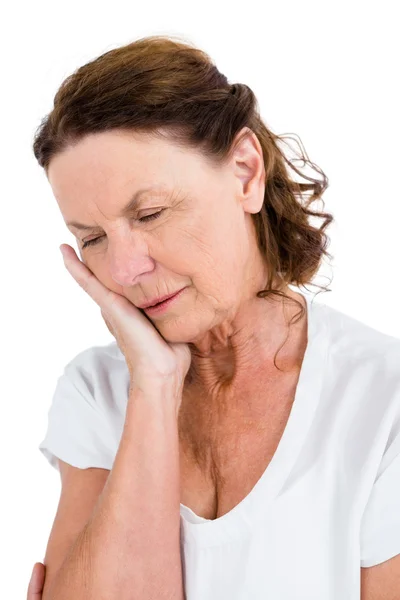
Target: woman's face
203	239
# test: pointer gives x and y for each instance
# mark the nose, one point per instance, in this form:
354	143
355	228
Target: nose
128	259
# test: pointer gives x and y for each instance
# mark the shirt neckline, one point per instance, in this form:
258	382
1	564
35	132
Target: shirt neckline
240	520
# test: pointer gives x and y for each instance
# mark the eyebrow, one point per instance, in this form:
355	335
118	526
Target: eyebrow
128	208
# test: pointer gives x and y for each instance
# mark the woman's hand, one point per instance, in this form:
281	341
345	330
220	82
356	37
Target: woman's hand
36	583
150	359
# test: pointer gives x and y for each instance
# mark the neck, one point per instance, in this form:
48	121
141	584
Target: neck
233	367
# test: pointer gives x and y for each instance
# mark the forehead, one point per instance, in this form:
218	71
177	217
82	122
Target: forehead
111	155
105	170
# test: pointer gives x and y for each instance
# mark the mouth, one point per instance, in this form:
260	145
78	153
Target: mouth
164	304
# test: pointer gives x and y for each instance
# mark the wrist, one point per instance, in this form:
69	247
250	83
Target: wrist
163	396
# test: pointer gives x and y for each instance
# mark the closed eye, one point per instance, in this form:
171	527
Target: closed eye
142	219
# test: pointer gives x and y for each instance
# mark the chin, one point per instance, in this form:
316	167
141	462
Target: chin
180	332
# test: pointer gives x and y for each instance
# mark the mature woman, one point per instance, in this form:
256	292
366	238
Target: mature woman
238	440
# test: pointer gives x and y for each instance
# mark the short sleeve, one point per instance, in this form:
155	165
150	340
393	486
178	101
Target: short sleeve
77	430
380	526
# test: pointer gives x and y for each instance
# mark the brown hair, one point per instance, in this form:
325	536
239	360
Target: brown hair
164	87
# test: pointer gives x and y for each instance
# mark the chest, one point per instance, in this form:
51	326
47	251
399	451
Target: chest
219	471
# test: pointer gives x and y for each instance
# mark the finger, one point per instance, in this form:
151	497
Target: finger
36	583
110	329
87	279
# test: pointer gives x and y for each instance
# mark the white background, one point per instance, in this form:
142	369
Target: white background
325	71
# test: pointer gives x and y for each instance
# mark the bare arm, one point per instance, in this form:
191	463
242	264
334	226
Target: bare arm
130	547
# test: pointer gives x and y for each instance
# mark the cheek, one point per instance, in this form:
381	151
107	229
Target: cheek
210	250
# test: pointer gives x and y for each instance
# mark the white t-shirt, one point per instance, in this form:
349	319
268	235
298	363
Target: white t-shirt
327	504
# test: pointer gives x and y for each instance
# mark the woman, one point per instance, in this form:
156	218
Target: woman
238	447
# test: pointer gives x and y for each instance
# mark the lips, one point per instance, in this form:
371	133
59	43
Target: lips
159	300
163	306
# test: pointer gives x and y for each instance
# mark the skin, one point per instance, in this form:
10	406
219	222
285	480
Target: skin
204	239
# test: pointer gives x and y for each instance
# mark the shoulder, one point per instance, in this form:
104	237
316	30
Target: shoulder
95	356
353	342
95	362
361	377
101	376
86	415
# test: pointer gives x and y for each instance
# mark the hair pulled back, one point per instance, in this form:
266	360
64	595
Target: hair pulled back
164	87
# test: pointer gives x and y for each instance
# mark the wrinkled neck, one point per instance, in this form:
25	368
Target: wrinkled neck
232	368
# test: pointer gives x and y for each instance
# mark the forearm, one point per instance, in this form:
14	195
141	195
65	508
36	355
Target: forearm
130	548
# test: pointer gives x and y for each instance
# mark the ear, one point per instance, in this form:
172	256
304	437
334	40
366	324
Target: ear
248	165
